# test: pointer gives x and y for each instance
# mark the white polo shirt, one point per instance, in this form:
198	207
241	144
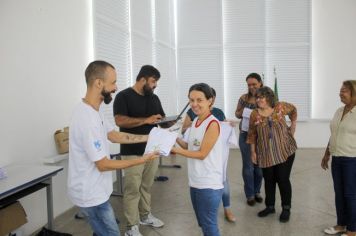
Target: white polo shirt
88	143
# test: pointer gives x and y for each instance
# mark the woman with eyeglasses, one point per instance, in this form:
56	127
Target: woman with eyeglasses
273	148
342	148
251	173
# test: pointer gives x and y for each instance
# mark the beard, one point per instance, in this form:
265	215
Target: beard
147	90
107	96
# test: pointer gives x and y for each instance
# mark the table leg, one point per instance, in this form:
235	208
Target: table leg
49	203
119	180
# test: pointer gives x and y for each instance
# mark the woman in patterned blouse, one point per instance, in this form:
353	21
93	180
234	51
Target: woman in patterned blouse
273	148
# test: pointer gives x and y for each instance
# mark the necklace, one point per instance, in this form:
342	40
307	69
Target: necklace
87	102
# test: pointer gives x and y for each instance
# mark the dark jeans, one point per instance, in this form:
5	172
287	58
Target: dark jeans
279	174
343	170
251	173
206	205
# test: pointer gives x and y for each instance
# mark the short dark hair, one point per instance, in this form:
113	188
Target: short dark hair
95	70
204	88
147	71
268	93
255	76
213	91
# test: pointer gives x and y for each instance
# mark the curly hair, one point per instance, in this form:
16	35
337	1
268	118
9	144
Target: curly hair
267	93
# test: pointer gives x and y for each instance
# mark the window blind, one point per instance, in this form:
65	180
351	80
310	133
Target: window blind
112	42
200	47
262	35
164	54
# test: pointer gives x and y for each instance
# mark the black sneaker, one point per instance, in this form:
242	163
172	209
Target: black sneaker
161	178
251	201
266	212
258	198
284	217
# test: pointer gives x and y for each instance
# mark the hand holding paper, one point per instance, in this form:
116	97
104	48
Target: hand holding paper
161	141
150	156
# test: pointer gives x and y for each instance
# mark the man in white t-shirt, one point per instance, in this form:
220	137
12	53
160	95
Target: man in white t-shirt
89	176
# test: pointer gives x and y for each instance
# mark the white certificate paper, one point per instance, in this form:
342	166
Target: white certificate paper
161	140
246	119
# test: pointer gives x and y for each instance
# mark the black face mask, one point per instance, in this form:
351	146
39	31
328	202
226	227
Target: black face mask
107	96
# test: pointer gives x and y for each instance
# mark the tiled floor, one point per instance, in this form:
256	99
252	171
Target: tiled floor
312	203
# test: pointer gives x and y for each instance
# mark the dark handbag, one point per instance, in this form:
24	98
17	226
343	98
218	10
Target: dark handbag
47	232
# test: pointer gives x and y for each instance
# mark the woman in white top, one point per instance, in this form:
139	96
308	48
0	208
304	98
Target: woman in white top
205	162
342	148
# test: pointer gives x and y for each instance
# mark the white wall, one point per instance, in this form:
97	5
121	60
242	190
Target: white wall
334	52
44	49
333	61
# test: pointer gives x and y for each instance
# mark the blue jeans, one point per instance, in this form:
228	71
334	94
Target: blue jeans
343	170
251	173
102	219
206	205
226	194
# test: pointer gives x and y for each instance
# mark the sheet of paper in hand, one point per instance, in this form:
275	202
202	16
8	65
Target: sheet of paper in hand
228	134
161	140
246	119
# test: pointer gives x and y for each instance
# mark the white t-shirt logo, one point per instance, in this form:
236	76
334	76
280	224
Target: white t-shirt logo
97	145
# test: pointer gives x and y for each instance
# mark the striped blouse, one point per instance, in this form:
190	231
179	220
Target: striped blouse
273	139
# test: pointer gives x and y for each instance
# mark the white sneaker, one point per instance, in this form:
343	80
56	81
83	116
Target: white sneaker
333	231
133	231
152	221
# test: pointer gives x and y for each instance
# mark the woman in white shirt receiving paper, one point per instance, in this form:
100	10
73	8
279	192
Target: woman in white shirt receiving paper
251	173
205	162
